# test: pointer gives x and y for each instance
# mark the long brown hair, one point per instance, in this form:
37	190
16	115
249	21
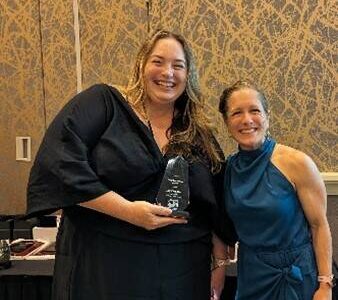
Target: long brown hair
191	132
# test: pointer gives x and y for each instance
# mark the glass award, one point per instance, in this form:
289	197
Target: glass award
174	188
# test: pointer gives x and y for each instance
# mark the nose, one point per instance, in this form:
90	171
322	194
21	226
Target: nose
168	70
247	118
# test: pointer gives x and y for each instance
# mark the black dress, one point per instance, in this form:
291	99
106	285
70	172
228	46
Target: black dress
98	144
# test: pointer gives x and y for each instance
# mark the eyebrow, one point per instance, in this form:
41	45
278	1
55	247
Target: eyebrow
233	110
240	108
161	57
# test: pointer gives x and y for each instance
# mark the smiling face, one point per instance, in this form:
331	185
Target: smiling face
165	72
246	118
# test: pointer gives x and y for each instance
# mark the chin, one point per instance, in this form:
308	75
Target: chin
247	148
251	146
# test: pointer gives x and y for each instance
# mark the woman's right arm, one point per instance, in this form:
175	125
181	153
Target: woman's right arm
139	213
62	175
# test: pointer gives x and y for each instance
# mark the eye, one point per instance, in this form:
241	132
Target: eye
234	113
256	111
179	66
156	62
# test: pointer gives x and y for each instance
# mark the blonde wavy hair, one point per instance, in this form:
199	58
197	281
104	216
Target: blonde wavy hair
191	129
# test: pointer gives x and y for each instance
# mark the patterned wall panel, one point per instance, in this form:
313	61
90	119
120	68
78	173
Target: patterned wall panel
289	48
59	61
111	34
332	216
21	109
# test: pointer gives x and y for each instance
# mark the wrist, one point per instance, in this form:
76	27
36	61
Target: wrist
219	263
327	281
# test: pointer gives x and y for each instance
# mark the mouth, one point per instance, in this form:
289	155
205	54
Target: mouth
248	130
164	83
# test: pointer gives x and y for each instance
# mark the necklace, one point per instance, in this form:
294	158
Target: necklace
147	120
146	117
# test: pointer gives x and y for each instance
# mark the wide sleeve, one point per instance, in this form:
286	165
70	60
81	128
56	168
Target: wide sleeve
223	225
62	174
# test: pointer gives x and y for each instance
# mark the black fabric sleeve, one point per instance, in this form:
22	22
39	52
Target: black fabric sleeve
62	175
223	225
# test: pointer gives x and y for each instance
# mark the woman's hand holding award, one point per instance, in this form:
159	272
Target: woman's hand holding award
174	189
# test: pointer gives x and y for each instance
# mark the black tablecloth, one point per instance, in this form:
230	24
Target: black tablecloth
27	280
32	280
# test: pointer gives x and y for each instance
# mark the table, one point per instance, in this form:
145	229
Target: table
32	280
27	280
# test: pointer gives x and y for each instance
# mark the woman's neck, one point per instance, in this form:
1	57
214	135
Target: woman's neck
159	119
159	115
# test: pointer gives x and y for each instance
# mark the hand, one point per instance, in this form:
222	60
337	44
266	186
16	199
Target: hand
151	216
217	283
324	292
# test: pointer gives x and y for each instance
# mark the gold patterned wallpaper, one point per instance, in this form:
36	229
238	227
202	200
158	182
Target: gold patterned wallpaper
59	59
21	96
111	33
288	47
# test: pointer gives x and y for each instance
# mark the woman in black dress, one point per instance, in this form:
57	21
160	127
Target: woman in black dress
102	161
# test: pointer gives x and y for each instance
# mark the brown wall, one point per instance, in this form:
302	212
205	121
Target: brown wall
286	47
332	215
57	49
21	96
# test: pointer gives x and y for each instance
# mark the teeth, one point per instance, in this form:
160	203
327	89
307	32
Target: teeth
165	83
247	130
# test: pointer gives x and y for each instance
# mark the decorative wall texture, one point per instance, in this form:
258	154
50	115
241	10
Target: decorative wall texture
58	54
111	33
21	96
332	216
288	47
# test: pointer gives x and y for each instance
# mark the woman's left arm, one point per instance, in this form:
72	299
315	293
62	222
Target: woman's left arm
312	194
220	260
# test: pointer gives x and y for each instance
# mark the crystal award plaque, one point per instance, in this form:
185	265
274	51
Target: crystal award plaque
174	188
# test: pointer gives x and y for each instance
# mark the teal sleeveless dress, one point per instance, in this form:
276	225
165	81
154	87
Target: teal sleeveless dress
276	259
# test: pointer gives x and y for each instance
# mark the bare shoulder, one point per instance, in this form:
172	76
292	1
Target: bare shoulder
294	164
290	156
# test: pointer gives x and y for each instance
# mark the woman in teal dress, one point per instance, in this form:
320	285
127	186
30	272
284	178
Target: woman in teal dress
276	199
